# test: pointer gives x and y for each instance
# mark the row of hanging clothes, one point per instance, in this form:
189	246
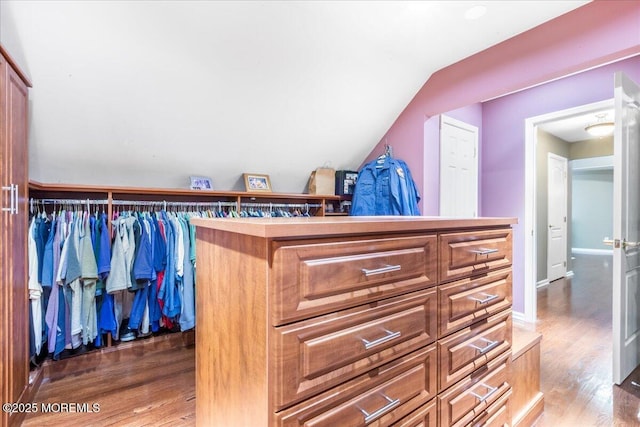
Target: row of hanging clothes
130	280
129	275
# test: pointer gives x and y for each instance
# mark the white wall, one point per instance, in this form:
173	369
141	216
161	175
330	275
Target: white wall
146	93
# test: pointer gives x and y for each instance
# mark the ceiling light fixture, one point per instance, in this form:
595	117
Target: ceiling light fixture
601	127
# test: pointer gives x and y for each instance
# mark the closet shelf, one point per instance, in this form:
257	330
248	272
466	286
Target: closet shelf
112	193
81	188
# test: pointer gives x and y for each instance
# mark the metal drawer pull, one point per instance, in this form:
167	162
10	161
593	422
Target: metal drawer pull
13	199
16	194
371	416
10	209
490	345
483	251
381	270
488	298
486	396
390	335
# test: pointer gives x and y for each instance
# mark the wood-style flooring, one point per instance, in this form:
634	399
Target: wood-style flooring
574	317
145	385
155	385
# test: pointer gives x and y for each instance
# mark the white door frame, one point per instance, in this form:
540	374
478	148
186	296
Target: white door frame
565	203
473	129
530	258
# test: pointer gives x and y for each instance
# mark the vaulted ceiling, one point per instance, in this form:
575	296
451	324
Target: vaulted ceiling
147	93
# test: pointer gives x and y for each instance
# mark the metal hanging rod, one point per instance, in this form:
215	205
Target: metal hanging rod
172	204
129	203
281	205
68	201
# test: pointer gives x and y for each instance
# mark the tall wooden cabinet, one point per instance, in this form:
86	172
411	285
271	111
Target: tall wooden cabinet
353	321
14	339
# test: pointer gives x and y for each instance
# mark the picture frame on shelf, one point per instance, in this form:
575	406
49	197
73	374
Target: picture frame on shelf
201	183
257	182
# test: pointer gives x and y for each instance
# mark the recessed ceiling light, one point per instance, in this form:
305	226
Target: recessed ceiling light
475	12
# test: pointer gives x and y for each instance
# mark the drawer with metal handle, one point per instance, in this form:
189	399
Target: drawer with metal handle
473	253
314	355
466	301
496	415
385	396
466	351
425	416
463	402
318	276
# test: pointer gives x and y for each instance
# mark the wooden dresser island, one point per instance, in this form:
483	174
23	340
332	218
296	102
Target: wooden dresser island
353	321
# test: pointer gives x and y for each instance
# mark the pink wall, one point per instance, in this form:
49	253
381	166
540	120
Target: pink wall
503	153
600	32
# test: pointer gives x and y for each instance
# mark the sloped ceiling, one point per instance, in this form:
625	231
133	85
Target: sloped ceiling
146	93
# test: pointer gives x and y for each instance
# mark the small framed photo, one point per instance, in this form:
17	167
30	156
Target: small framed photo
201	183
257	182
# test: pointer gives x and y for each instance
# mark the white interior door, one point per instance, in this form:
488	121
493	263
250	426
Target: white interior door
626	226
556	217
458	168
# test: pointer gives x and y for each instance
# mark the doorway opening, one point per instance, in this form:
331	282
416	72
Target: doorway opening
536	130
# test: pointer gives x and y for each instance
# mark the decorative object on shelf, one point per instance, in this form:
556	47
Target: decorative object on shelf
201	183
345	182
322	181
257	182
602	126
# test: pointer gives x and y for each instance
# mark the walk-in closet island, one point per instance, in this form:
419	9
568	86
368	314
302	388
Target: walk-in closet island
353	320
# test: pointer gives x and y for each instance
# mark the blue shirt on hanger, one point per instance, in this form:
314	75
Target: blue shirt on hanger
385	187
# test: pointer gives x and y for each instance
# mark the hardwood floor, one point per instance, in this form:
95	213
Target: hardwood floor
155	385
148	385
574	316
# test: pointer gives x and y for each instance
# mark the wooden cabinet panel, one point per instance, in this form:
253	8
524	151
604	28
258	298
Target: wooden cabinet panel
466	351
460	405
496	415
14	338
315	278
313	355
466	301
426	416
473	253
379	398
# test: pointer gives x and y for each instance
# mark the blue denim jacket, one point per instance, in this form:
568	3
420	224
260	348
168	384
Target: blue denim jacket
385	187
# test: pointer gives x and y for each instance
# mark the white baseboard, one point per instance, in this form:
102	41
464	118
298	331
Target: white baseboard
545	282
589	251
519	316
542	283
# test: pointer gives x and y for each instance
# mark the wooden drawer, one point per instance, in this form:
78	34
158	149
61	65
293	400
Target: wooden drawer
316	354
426	416
459	405
466	301
496	415
387	394
473	347
474	252
319	277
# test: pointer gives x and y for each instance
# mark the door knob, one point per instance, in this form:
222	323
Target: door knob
616	243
